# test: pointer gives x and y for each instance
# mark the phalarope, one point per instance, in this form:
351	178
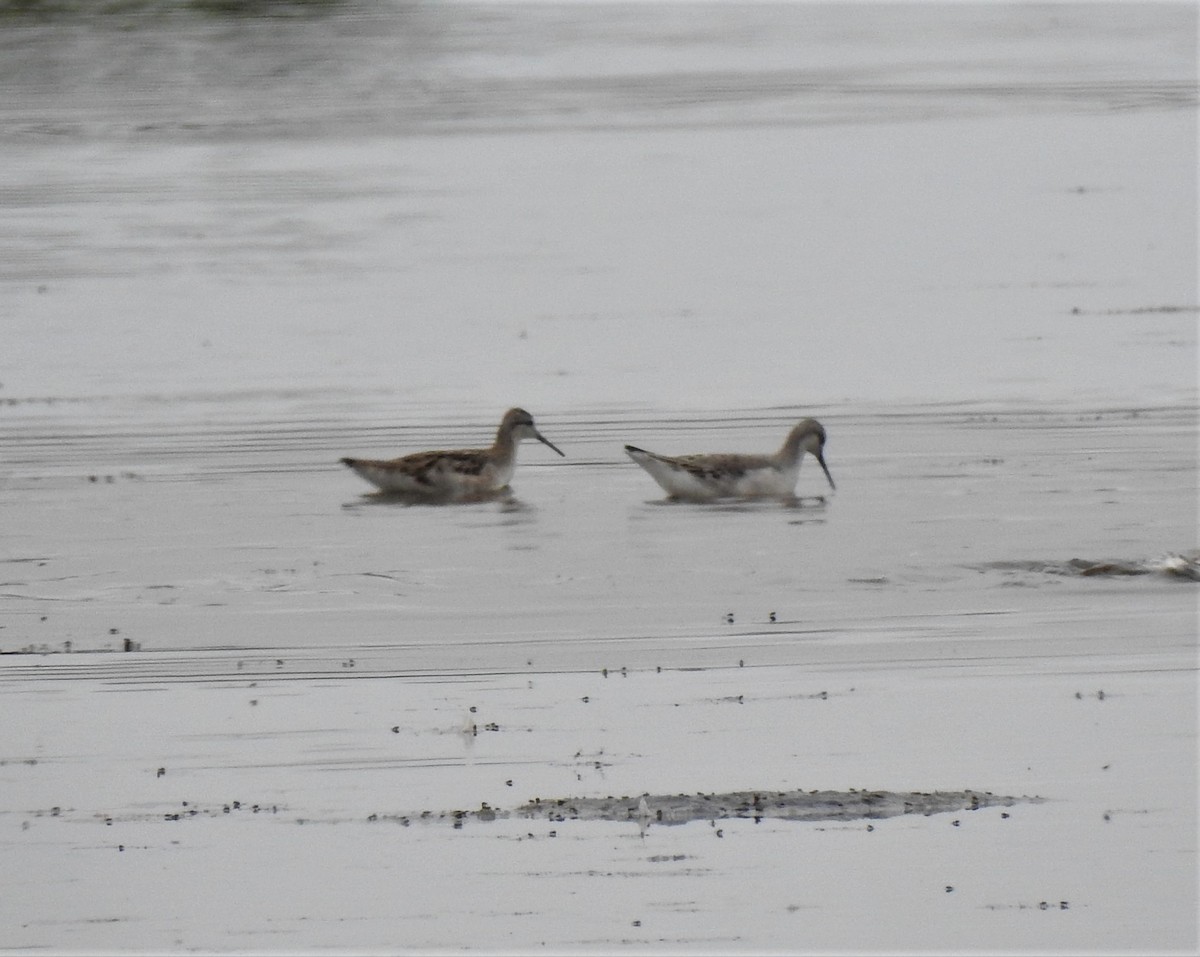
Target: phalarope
706	477
457	473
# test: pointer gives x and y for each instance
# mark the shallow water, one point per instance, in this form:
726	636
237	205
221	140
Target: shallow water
946	526
237	249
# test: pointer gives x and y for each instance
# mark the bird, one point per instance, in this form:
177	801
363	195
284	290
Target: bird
733	475
455	473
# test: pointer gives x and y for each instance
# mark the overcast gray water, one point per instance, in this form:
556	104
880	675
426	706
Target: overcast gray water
239	247
241	241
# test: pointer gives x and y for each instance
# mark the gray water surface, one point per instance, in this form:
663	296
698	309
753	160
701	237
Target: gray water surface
241	241
237	248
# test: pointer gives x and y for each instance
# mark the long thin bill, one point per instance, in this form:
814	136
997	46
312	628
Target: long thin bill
821	459
545	441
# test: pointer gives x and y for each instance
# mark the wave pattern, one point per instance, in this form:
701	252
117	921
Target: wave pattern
460	67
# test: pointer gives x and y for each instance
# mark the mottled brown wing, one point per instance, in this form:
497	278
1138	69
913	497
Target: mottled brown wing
421	465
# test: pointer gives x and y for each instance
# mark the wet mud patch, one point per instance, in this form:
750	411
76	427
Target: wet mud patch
757	805
648	809
644	810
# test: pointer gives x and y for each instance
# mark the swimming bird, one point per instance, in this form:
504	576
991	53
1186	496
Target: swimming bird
457	473
731	475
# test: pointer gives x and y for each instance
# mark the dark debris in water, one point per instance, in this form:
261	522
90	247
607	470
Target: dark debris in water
1182	566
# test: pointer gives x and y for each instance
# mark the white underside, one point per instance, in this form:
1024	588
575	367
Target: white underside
681	483
443	483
